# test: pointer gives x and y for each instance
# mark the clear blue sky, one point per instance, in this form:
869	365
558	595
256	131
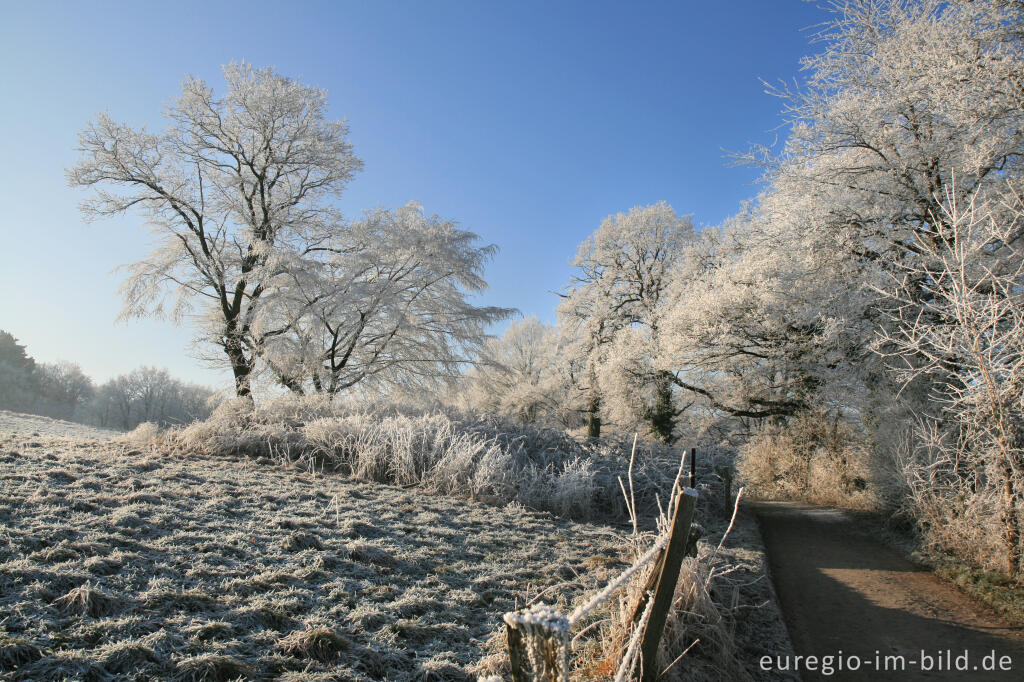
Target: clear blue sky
528	122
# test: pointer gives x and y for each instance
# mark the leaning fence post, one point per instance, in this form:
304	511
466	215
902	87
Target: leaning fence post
668	576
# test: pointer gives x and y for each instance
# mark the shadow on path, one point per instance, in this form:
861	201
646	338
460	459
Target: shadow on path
841	591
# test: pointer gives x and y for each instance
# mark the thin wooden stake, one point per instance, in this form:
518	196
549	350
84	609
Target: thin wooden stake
693	468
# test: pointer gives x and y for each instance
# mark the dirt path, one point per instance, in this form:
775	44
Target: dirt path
841	591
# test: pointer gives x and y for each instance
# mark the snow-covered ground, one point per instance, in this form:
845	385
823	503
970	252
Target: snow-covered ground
34	425
116	560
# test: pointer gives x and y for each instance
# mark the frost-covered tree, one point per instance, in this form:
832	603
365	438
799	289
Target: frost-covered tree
17	374
966	336
233	188
521	374
622	274
381	301
148	394
904	97
62	389
771	319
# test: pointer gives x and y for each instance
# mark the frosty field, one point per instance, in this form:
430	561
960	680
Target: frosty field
119	562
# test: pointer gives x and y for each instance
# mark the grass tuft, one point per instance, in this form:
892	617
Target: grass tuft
319	643
86	600
15	652
211	668
299	540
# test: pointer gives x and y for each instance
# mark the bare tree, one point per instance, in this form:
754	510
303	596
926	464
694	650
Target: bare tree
149	394
967	337
232	189
62	388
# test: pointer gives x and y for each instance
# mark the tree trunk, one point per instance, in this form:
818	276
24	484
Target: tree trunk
594	418
662	416
292	384
1011	522
241	367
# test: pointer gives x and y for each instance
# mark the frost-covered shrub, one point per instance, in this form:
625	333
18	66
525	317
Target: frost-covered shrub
454	453
812	458
145	432
949	494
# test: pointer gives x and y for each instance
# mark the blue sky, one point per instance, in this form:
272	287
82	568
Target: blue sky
527	122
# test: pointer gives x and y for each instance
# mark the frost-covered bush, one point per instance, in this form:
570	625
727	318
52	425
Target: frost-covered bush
812	457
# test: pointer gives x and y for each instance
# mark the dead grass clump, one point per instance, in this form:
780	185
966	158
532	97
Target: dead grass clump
61	476
16	652
86	600
318	643
124	518
357	529
143	434
365	553
180	600
210	631
268	614
211	668
101	566
144	498
299	540
126	656
441	671
54	555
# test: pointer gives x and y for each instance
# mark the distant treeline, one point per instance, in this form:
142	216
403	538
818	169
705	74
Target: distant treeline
63	391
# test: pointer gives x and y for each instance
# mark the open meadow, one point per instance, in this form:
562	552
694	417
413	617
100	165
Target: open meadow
128	560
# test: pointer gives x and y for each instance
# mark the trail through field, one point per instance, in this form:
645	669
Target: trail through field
842	591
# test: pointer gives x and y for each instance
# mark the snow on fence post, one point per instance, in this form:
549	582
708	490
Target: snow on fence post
538	644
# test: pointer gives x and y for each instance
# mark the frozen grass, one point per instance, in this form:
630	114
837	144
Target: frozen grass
36	425
118	562
467	455
223	550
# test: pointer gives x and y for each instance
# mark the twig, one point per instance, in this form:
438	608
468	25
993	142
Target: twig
632	497
626	666
679	657
735	510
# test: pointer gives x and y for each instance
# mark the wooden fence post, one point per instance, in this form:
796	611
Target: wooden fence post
538	644
517	656
668	576
693	468
725	473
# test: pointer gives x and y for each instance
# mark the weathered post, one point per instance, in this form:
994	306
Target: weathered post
693	468
725	473
538	644
663	582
